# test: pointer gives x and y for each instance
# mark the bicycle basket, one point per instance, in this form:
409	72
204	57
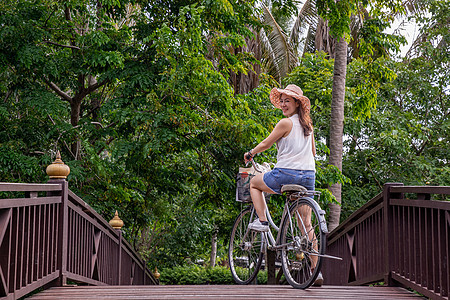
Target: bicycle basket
243	187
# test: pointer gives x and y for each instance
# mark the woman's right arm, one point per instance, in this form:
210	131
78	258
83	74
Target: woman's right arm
282	129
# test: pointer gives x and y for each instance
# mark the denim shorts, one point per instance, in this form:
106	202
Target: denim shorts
278	177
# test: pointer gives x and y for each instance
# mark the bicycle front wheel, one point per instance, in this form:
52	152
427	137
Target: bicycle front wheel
304	239
245	251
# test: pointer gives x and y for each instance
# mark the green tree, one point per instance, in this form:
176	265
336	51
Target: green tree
338	14
73	48
161	139
163	129
402	141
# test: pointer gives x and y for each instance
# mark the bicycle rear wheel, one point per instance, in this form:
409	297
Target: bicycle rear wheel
303	237
245	251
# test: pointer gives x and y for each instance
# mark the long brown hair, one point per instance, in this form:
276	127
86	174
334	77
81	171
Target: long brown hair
305	120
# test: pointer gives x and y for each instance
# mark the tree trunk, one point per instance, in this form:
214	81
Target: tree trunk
95	100
337	125
213	249
323	40
243	83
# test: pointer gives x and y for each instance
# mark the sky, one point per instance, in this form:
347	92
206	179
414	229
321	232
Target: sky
410	30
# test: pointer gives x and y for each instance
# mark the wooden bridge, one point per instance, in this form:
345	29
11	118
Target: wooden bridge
48	235
201	292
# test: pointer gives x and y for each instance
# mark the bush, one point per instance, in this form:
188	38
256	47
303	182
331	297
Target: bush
183	275
219	275
194	274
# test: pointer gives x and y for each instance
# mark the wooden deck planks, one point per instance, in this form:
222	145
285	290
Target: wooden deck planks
220	292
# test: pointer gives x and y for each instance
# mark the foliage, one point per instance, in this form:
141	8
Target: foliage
148	139
194	274
338	13
160	132
402	138
405	139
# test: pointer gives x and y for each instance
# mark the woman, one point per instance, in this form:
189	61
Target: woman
296	151
295	159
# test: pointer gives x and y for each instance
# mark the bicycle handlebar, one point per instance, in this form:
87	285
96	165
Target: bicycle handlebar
255	165
248	157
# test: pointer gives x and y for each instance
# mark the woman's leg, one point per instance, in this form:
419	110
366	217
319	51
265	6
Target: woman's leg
305	215
257	187
304	212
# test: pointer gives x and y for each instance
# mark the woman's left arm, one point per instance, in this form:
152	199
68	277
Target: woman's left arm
313	144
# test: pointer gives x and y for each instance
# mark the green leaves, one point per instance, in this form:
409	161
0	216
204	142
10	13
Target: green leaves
94	39
338	13
106	59
405	138
375	43
364	80
161	131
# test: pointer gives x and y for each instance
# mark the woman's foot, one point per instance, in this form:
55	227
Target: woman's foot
258	225
319	280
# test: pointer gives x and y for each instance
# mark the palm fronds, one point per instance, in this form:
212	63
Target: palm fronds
282	55
306	18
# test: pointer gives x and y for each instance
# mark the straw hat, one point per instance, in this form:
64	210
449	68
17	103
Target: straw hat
293	91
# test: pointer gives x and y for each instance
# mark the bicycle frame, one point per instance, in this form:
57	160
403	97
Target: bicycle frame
274	244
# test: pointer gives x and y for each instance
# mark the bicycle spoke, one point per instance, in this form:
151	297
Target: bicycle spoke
302	237
298	217
245	251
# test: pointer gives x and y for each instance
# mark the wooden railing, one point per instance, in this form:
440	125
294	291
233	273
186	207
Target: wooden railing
400	237
48	236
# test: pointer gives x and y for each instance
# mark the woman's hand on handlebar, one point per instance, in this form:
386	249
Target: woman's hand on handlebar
248	157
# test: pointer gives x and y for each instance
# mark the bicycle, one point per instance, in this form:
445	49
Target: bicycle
300	242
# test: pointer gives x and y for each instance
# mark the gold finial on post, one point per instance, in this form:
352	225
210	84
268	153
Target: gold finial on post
156	273
58	169
116	222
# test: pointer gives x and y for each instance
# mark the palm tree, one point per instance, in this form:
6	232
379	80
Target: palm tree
280	51
338	96
337	125
276	50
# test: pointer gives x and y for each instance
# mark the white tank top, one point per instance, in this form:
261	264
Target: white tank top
295	150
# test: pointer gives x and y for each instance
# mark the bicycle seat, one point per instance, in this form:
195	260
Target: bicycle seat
293	188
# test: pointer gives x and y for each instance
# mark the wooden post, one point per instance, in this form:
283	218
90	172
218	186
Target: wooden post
117	224
58	172
388	216
119	261
271	270
61	262
144	277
